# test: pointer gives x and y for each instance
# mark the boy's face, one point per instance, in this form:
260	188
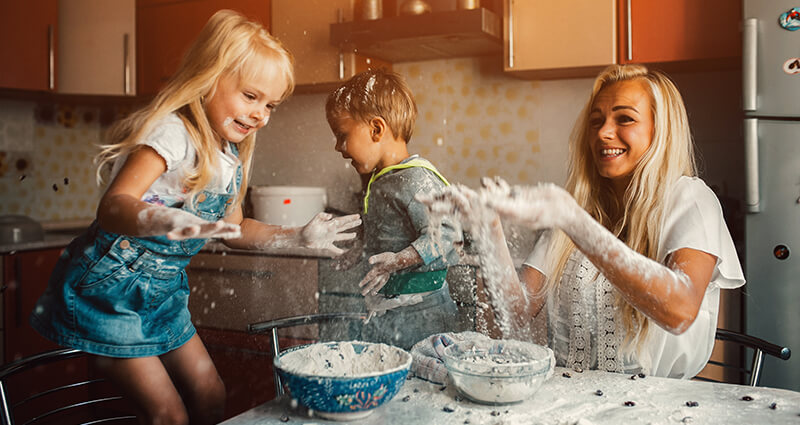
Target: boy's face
355	141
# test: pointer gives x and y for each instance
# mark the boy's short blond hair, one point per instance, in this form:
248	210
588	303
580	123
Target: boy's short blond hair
375	93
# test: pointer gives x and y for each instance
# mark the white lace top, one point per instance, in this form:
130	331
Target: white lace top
583	327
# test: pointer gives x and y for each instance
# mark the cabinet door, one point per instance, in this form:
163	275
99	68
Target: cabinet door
165	29
25	277
561	39
653	31
28	47
96	41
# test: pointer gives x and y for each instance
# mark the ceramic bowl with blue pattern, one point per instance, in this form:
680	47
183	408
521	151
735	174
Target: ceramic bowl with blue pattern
343	380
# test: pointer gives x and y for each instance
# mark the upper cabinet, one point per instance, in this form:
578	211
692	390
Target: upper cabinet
96	40
559	39
679	31
28	49
577	38
304	28
166	28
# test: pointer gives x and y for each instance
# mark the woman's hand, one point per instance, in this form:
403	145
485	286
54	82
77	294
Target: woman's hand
323	230
460	202
538	207
178	225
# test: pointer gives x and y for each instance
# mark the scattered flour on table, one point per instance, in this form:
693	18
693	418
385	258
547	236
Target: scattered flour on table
342	359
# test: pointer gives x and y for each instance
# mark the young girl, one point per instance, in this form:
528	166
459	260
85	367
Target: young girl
180	171
631	280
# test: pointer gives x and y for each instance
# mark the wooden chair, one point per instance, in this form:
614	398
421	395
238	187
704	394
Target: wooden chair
32	391
752	374
272	326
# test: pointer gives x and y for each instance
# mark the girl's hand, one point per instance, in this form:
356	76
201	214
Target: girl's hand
178	225
539	207
323	230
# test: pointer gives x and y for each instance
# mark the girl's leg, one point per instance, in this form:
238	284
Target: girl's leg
197	380
147	384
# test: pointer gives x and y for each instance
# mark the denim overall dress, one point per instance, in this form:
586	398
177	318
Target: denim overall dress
124	296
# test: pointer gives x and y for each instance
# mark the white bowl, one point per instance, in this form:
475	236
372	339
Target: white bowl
498	371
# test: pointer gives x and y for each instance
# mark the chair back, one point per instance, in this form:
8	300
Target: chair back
272	326
54	387
751	373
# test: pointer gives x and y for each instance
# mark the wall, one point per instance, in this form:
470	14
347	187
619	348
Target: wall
473	121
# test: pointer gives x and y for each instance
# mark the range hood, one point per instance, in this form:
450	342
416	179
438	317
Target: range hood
438	35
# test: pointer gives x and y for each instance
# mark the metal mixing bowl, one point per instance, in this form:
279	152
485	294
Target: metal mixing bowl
19	229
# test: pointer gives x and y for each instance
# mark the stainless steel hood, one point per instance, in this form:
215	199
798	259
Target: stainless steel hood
450	34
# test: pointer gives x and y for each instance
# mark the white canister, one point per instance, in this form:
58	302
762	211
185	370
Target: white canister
287	205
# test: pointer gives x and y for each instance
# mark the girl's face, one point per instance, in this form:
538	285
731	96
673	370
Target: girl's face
621	127
240	106
355	142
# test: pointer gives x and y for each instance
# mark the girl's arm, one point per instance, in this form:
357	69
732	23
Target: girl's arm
669	294
121	210
320	233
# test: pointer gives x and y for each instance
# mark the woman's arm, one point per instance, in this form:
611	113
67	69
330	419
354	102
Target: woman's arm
669	294
122	211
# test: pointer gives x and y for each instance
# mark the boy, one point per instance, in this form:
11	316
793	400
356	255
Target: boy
372	116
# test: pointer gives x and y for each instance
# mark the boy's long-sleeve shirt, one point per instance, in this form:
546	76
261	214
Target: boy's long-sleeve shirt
396	219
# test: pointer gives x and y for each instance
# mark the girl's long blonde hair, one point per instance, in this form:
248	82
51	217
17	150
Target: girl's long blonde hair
229	44
638	218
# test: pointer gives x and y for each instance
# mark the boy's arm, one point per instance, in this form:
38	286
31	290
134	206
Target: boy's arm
436	240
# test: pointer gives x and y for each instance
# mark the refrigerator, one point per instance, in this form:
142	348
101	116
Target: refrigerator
771	103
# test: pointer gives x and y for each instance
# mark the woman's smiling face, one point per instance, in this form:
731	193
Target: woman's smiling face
621	128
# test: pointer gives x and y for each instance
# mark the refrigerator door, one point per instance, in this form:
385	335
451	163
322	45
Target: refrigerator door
771	78
772	238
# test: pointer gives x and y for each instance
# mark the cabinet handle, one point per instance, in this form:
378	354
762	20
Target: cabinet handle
18	291
126	66
630	31
750	64
751	194
51	58
510	33
340	19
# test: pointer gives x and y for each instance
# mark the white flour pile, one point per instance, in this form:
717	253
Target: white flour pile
343	359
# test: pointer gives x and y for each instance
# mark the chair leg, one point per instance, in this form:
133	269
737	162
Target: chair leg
755	374
276	350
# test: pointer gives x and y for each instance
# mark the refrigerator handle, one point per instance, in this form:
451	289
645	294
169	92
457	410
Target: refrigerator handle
751	196
749	64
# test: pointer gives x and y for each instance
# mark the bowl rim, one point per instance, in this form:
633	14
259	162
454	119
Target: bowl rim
405	366
452	363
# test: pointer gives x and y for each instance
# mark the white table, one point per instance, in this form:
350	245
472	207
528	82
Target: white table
568	400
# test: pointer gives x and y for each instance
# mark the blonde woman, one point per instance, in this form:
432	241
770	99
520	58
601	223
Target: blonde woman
180	171
632	255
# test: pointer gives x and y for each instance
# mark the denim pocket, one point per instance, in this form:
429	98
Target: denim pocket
110	268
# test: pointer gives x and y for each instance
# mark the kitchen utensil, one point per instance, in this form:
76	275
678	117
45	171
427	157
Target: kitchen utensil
287	205
371	9
19	229
343	380
498	371
415	7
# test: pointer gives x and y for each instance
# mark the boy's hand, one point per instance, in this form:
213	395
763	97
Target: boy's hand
179	225
323	230
383	265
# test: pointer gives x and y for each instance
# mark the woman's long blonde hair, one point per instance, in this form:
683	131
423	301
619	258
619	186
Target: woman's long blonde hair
229	44
638	218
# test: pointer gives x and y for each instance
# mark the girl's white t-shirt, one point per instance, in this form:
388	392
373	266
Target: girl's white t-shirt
170	139
693	220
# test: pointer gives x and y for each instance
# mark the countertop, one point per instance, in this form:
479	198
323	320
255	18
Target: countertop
568	400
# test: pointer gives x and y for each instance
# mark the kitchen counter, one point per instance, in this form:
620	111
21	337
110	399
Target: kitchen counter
569	400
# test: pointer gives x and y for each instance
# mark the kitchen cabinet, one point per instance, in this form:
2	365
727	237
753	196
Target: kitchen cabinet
684	31
166	28
304	28
578	38
231	290
96	40
25	276
28	52
560	39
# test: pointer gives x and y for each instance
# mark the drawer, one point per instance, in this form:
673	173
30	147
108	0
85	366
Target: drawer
231	291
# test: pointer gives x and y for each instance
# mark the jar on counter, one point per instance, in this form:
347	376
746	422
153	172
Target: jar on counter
371	9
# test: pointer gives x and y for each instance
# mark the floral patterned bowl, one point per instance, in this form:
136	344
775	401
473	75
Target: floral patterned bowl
343	380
